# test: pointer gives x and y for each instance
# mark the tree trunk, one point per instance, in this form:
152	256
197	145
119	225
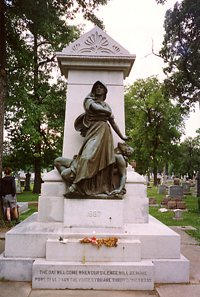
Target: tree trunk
37	180
3	87
3	90
3	80
155	175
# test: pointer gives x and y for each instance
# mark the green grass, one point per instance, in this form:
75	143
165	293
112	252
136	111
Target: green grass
190	218
28	196
25	215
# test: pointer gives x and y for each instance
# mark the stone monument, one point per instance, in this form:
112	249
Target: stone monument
175	191
197	185
28	180
107	242
18	189
186	188
162	189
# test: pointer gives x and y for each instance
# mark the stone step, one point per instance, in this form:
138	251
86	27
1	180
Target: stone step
157	240
127	250
93	275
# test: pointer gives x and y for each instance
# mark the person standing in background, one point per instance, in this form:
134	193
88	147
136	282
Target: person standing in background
8	192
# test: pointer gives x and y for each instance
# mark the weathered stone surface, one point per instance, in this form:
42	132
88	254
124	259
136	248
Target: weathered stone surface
93	212
181	204
98	276
165	200
152	200
162	190
127	250
171	205
177	215
175	191
177	199
176	182
186	188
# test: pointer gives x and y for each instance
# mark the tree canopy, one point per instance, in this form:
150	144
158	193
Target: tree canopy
188	157
31	33
153	122
181	52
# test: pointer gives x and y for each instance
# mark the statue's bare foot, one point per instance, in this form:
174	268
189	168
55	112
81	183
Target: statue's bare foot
71	189
115	193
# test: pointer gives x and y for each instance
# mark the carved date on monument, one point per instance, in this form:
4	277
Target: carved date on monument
94	214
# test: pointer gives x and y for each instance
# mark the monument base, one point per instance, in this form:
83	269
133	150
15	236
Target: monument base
147	254
47	247
98	275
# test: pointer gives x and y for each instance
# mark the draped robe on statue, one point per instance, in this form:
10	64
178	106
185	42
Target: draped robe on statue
93	166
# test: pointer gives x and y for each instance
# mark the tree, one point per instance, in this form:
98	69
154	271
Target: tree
153	122
20	122
181	51
3	78
188	157
38	29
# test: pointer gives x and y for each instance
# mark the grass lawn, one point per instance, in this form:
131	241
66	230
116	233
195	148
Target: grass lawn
28	196
190	218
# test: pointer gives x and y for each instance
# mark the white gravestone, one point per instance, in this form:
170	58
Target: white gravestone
177	215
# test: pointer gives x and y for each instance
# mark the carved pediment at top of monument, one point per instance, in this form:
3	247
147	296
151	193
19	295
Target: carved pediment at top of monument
95	42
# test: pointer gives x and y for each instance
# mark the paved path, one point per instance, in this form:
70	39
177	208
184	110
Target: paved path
189	249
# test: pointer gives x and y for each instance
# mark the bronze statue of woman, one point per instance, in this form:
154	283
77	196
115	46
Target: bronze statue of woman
93	166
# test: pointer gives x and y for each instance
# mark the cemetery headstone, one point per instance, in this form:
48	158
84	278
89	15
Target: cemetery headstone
177	199
165	200
152	200
28	178
22	178
181	204
18	189
158	180
197	185
175	191
171	205
162	190
186	188
176	182
177	215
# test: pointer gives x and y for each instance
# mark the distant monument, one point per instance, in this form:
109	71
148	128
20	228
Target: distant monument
28	180
18	189
197	185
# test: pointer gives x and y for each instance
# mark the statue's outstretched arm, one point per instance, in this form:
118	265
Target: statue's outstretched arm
117	130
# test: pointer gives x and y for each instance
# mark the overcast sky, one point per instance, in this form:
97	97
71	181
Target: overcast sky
135	25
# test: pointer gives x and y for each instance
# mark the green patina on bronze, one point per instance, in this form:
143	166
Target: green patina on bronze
91	171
